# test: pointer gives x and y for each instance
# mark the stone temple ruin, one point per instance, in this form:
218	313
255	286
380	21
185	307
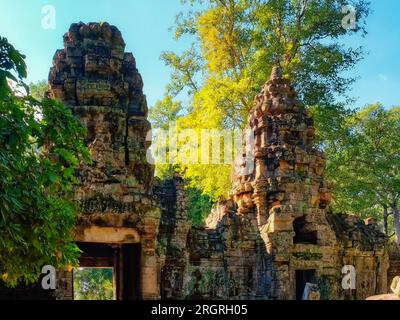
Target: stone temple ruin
273	237
119	219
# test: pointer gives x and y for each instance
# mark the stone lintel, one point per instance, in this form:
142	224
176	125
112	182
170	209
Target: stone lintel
113	235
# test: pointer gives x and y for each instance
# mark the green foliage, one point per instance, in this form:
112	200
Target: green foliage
41	145
185	68
325	286
212	180
364	162
308	255
199	206
12	66
330	123
164	112
38	90
238	42
93	284
235	45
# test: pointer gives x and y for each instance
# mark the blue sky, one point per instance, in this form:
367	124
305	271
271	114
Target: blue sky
144	25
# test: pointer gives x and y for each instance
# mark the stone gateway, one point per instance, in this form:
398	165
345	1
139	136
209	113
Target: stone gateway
119	219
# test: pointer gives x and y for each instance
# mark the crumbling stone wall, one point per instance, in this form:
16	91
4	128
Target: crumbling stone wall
276	223
234	256
364	246
172	237
286	184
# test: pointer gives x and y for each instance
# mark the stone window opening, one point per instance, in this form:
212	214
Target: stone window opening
302	234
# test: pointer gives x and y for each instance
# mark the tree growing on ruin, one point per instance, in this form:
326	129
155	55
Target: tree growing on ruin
41	145
235	45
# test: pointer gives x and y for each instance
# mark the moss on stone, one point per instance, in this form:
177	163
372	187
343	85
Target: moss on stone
308	255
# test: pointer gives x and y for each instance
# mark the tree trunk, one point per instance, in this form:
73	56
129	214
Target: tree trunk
385	220
396	218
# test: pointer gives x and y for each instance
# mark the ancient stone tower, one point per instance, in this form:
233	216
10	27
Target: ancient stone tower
275	233
286	190
119	218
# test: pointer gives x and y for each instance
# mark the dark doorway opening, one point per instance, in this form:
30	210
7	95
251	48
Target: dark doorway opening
302	235
124	259
303	277
130	254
